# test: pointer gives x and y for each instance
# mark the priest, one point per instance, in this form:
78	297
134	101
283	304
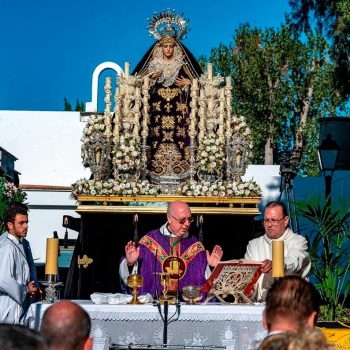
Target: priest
171	250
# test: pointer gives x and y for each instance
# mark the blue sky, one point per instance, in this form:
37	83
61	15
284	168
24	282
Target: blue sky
50	48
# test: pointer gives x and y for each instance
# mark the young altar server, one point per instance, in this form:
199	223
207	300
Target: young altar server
15	284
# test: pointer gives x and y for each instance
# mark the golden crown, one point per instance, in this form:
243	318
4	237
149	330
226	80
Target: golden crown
167	23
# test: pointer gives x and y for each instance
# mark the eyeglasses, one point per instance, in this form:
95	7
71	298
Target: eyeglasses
183	220
273	222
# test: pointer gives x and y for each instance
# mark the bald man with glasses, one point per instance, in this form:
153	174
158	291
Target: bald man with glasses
170	249
296	257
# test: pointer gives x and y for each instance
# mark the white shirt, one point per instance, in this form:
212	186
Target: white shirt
296	257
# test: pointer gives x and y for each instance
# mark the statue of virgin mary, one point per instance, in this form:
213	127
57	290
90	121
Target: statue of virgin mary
171	69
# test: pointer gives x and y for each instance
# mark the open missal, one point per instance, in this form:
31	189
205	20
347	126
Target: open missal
233	277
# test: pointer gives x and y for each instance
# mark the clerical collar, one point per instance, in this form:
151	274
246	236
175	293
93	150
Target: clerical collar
165	231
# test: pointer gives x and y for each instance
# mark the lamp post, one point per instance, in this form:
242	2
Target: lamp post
328	154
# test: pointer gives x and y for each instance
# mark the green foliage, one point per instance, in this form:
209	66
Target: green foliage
67	105
329	250
79	106
330	18
282	85
9	193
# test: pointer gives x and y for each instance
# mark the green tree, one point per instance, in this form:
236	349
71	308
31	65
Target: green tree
282	85
67	105
332	19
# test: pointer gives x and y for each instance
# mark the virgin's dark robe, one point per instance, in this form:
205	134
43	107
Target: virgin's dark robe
169	120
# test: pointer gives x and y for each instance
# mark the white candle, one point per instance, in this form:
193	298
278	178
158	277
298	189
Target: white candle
210	71
146	81
127	69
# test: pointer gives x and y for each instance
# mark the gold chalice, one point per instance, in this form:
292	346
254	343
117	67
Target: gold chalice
191	294
135	281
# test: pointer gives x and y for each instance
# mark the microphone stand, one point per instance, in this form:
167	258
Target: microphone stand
165	314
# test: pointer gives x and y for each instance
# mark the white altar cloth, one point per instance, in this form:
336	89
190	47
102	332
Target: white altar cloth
237	327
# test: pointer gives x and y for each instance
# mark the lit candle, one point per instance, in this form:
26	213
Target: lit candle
277	258
210	71
127	69
51	266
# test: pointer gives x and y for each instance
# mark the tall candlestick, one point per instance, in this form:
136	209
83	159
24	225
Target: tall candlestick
51	266
277	258
127	69
210	71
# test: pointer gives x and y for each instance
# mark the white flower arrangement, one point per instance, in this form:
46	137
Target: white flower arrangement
118	187
239	125
221	188
95	123
126	153
210	155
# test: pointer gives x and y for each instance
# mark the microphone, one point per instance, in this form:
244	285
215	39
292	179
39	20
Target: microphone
156	294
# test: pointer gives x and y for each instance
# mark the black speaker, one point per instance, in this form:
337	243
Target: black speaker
339	129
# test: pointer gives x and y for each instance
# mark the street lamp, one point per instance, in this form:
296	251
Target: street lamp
327	155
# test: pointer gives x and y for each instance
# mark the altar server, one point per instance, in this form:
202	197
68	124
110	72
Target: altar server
296	256
170	249
15	285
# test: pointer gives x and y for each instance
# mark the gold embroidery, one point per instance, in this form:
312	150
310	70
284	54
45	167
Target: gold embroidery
155	131
155	144
156	106
167	161
168	93
156	118
181	144
168	136
179	118
168	107
181	132
181	107
168	122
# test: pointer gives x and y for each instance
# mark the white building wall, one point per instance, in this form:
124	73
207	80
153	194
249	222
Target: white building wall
47	145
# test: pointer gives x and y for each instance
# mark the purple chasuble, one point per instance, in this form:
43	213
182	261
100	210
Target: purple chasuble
149	263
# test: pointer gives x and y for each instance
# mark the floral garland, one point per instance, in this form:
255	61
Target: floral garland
221	188
210	155
9	193
118	187
239	125
95	123
126	153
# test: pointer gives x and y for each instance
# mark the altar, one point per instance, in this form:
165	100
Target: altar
235	327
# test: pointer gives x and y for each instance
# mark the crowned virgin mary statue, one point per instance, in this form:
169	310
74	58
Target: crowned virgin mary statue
171	69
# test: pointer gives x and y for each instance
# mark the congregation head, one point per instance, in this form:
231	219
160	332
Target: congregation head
291	304
307	339
17	337
67	326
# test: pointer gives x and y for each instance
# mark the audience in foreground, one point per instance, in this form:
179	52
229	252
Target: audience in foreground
309	339
17	337
67	327
292	303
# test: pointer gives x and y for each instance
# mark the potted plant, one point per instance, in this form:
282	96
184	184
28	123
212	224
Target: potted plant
9	193
329	249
